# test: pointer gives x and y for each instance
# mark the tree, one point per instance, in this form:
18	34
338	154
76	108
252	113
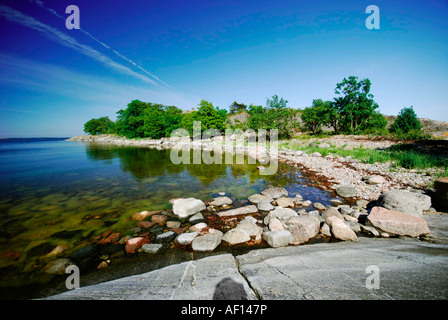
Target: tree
172	117
130	122
356	105
99	126
236	107
317	115
153	121
406	121
211	117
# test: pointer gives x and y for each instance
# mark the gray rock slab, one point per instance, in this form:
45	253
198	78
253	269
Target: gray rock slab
192	280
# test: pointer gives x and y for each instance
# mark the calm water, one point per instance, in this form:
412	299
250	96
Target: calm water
54	192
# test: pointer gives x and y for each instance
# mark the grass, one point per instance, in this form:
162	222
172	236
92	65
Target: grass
402	156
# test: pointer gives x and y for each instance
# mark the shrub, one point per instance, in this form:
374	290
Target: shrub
406	121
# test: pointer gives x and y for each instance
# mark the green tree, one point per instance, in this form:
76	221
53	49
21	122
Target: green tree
153	121
130	121
236	107
355	106
317	115
406	121
211	117
99	126
172	118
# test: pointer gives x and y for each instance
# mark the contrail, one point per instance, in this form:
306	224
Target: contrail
41	4
66	40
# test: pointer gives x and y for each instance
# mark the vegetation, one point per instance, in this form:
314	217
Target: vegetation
99	126
352	111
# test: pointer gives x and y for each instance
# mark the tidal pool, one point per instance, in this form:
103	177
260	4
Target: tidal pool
55	192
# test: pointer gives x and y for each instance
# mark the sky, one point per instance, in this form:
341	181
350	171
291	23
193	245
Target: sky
54	79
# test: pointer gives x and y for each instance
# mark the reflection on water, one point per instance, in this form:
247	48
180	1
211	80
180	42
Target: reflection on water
58	193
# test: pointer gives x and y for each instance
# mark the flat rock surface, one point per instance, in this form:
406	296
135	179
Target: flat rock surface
408	269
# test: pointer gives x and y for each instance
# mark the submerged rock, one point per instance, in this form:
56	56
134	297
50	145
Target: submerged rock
58	266
275	193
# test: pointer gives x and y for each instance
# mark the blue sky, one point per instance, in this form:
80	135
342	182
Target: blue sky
52	80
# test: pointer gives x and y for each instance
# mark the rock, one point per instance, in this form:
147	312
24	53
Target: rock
336	202
278	238
441	193
257	198
250	227
57	250
275	225
159	218
58	266
302	228
85	252
235	236
275	193
198	217
198	226
361	203
186	238
152	248
376	180
282	214
355	226
221	201
370	230
306	203
325	230
102	265
319	206
394	222
265	205
114	237
346	191
404	201
285	202
173	224
143	215
330	211
145	224
339	229
239	211
187	207
135	243
324	145
222	193
165	237
349	218
298	198
207	242
315	154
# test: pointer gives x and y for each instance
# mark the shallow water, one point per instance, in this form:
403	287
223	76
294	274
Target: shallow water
55	192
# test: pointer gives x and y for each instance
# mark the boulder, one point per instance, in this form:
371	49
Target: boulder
325	230
346	191
398	223
275	225
152	248
221	201
275	239
318	206
404	201
265	205
339	229
135	243
239	211
275	193
198	226
165	237
207	242
282	214
236	236
330	212
186	238
302	228
257	198
376	180
285	202
187	207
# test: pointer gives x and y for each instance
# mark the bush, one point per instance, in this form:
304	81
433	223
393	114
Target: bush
406	122
99	126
